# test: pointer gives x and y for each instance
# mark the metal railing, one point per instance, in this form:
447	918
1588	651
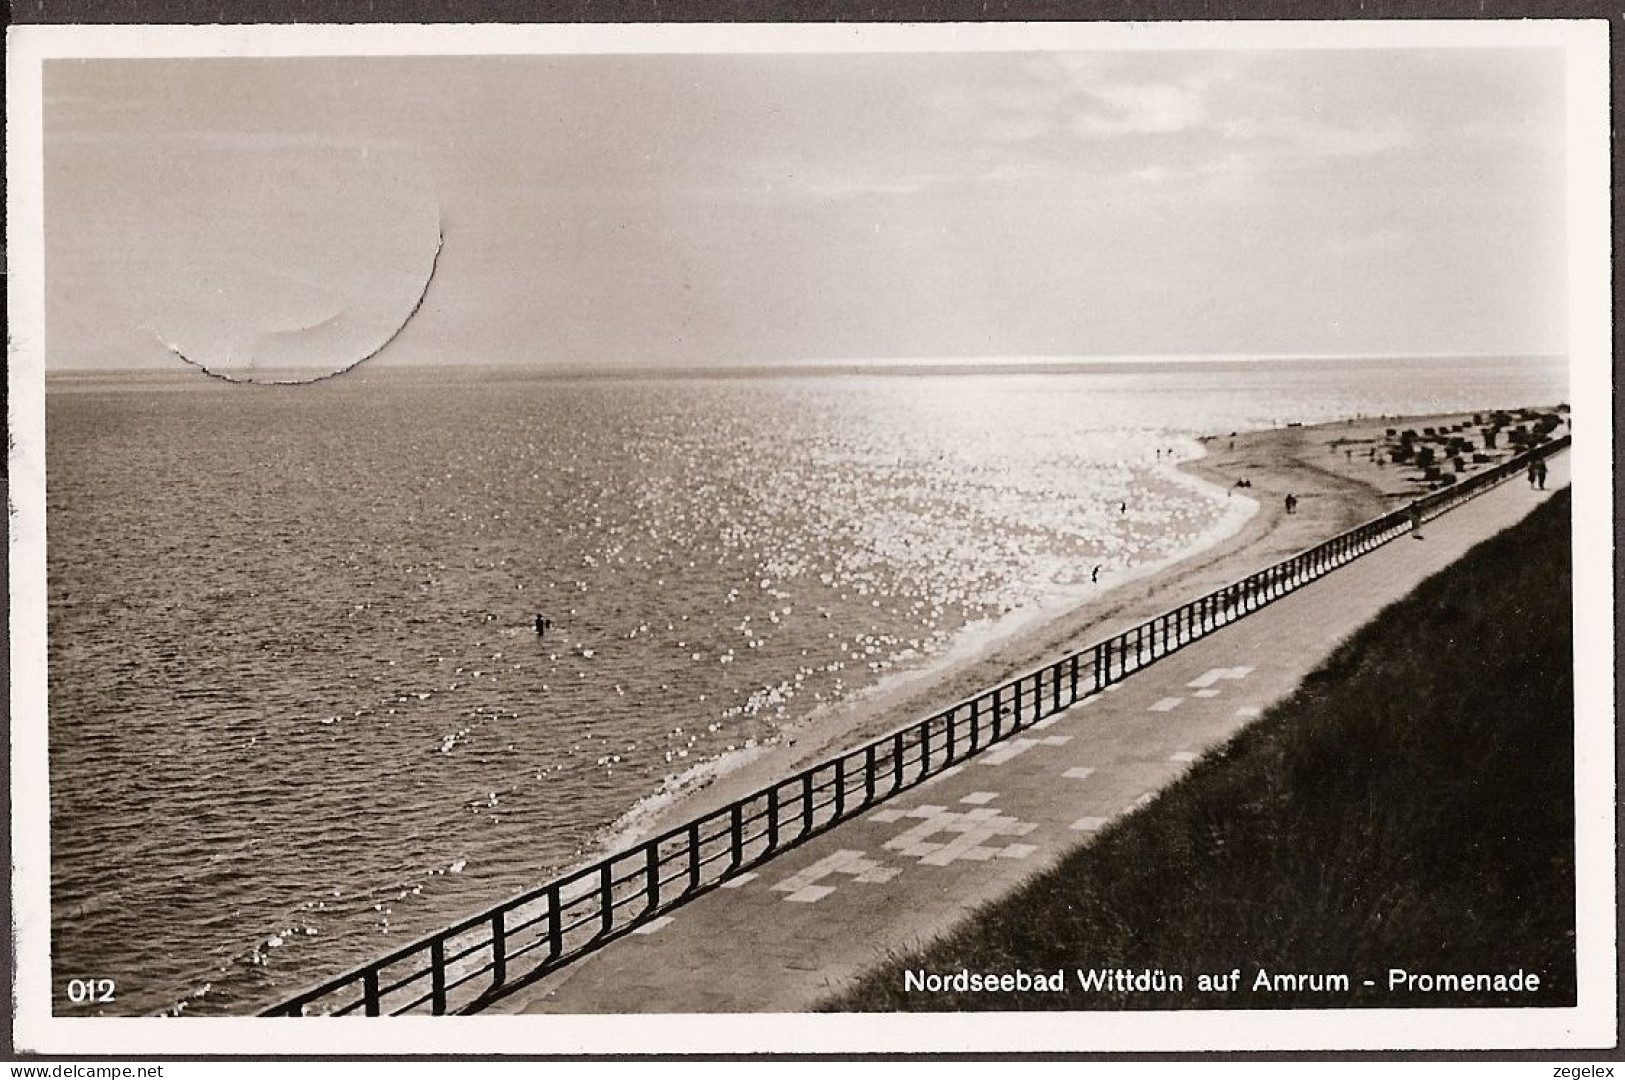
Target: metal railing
468	966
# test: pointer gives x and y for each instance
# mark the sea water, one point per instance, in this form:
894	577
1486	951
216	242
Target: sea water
299	713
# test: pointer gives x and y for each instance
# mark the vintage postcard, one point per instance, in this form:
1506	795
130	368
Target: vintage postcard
808	535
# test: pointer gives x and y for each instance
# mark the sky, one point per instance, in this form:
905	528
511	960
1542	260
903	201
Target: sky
724	209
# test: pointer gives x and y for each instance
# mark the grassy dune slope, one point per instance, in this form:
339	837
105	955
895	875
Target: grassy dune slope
1409	806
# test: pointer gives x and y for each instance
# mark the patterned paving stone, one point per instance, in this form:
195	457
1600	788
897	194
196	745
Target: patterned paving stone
653	925
944	836
804	888
1206	680
1167	704
810	894
1020	745
1078	772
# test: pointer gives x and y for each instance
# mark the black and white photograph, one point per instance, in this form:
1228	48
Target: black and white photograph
605	529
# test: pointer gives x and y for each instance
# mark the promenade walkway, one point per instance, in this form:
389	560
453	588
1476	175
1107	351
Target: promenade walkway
804	924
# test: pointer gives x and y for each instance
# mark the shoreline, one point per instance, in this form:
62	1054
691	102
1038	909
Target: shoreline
1336	490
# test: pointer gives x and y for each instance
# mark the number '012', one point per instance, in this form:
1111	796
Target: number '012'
81	991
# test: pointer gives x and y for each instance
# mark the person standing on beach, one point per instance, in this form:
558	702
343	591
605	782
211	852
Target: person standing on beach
1094	575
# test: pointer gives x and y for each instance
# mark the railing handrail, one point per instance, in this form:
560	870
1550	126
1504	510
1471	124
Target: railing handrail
1189	622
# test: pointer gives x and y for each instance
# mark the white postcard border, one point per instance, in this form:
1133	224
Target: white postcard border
1592	1024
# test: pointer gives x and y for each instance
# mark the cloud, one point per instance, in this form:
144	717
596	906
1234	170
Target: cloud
1140	109
831	186
1308	134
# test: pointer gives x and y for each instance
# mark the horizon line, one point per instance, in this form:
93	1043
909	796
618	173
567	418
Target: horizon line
1040	360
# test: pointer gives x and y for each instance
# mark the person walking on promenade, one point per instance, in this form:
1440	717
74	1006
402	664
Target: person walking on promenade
1540	473
1532	470
1416	520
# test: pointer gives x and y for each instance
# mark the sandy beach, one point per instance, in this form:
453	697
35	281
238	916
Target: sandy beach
1330	468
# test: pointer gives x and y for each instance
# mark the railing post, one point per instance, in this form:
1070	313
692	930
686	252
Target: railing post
736	836
897	762
437	976
694	854
840	786
975	723
998	712
555	924
606	897
499	947
925	749
953	740
1055	685
1074	698
651	882
773	818
1015	710
806	803
369	991
869	774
